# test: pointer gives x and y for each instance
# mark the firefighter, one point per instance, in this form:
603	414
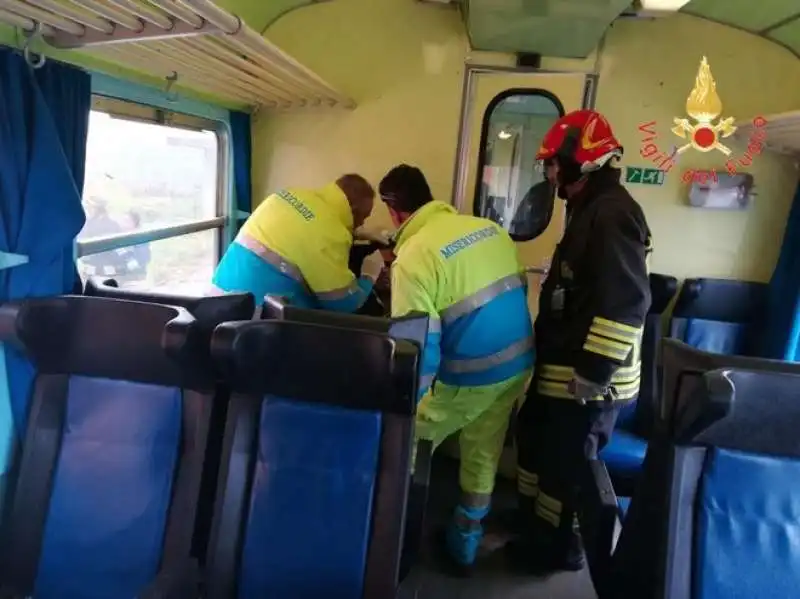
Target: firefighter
464	272
296	244
592	308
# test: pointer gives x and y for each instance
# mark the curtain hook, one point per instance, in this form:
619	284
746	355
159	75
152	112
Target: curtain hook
171	79
34	61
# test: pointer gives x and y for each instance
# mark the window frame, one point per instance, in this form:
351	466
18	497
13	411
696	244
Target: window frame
139	112
486	123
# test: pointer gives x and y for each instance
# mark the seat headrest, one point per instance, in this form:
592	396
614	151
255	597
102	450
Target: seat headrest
208	311
662	290
412	326
279	308
106	338
683	367
720	300
364	370
744	410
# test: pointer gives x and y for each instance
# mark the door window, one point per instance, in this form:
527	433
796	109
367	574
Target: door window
508	190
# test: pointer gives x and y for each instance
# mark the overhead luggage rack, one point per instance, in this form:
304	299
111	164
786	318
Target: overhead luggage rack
193	42
781	132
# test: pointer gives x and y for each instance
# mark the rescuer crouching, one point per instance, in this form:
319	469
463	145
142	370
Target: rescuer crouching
297	245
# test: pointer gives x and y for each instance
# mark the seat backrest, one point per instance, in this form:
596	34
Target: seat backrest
728	420
734	489
109	473
276	307
640	416
207	311
316	459
683	367
719	315
412	327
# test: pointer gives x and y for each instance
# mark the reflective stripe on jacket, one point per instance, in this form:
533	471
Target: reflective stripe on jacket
464	271
297	244
594	301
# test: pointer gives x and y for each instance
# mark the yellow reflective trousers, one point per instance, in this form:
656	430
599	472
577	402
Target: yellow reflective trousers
481	413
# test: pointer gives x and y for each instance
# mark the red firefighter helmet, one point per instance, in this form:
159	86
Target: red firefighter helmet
583	137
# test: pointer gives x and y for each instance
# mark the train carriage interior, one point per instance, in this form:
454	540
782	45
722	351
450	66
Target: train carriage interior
160	440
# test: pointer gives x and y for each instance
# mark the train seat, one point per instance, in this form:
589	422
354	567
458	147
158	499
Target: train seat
720	316
208	312
682	369
317	450
412	327
625	452
730	480
104	493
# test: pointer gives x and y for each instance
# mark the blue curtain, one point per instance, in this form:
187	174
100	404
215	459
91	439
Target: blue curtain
44	119
242	157
782	333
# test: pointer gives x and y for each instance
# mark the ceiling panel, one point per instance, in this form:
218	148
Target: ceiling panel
567	28
753	15
788	35
776	20
572	28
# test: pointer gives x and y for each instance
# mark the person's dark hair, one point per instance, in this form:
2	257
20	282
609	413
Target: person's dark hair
405	189
355	187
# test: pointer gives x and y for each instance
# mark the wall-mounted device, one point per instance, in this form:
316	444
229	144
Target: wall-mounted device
722	192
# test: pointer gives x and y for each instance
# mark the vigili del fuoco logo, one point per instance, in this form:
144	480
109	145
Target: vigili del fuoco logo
704	131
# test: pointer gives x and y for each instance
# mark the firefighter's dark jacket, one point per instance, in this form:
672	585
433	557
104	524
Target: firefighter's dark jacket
594	301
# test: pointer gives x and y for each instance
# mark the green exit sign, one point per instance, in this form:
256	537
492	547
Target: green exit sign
644	176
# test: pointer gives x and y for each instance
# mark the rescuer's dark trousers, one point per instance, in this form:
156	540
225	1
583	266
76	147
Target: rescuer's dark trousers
556	438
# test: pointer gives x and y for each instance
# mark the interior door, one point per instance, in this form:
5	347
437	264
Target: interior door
506	116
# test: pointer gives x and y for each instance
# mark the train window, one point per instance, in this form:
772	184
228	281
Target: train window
506	190
154	198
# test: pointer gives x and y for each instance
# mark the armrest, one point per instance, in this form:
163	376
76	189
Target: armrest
599	521
179	581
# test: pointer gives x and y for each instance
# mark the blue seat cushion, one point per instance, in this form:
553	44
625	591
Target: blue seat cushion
624	503
748	527
627	414
624	454
111	493
311	504
728	338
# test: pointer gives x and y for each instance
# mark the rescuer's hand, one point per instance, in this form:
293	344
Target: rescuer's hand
372	266
372	233
584	389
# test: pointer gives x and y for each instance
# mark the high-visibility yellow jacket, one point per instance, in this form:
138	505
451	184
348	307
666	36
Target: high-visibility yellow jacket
296	244
465	273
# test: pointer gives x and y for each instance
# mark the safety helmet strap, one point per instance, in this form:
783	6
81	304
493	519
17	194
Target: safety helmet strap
569	170
570	144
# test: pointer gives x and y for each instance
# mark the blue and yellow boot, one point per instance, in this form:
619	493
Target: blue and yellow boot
462	538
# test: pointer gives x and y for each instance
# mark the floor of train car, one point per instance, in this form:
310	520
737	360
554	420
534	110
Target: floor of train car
492	580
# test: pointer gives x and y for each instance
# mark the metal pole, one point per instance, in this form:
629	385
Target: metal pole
23	22
43	16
